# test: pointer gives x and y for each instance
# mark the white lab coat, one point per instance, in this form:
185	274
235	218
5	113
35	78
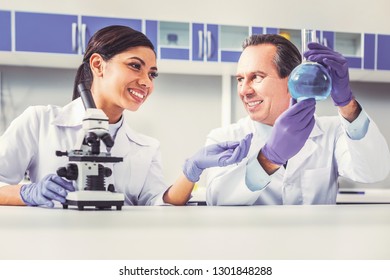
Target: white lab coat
311	175
32	139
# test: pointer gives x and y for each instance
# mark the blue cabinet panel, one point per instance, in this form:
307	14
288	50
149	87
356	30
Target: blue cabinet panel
383	57
212	42
205	42
93	24
328	39
175	53
151	33
369	51
230	56
197	41
270	30
354	62
36	32
257	30
5	31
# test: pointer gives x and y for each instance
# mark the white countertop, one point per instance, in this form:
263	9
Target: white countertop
197	232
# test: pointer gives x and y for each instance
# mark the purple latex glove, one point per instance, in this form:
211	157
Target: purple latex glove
221	154
51	187
290	132
338	70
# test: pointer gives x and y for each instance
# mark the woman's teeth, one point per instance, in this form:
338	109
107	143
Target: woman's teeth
136	94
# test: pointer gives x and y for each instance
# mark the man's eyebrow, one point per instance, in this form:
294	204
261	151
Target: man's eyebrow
251	73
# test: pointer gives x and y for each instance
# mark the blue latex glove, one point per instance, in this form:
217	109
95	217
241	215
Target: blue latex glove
51	187
338	70
290	132
221	154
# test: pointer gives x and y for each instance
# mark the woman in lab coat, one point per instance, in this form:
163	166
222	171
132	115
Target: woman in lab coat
119	66
295	157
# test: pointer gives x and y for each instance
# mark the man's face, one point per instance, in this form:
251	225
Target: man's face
264	94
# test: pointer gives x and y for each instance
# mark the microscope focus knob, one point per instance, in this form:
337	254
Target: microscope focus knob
70	172
107	172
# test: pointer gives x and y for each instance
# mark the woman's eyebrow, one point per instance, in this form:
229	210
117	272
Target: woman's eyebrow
143	62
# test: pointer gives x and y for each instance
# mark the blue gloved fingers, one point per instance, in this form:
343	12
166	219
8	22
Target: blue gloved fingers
54	191
245	145
62	182
228	145
240	151
227	157
46	202
31	196
340	70
299	107
317	46
293	101
302	119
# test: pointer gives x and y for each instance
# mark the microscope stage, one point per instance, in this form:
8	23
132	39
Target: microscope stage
98	199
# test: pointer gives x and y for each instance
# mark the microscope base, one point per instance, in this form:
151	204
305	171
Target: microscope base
99	199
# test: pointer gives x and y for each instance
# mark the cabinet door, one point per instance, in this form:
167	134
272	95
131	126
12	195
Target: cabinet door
171	39
348	44
231	38
198	46
5	31
369	51
293	35
205	42
383	57
52	33
92	24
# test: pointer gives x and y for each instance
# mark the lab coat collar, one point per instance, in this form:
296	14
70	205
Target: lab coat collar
136	137
71	114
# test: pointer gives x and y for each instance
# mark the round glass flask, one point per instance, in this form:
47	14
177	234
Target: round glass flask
309	79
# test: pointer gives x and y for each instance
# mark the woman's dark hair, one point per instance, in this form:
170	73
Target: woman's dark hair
108	42
287	55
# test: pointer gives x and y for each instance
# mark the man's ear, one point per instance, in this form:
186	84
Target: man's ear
96	64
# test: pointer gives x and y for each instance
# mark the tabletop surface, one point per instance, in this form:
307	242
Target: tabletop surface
197	232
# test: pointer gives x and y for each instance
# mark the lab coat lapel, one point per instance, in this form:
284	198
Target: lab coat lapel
308	149
129	145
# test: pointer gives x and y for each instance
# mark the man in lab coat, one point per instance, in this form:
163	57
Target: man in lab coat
295	156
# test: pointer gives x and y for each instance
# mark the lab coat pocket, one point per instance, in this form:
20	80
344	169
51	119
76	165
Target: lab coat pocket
318	187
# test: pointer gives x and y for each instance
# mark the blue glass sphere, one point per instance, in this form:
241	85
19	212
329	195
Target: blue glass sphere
309	80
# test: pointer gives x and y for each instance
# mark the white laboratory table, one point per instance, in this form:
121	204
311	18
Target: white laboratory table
197	233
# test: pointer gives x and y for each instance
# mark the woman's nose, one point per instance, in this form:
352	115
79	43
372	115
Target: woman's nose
144	80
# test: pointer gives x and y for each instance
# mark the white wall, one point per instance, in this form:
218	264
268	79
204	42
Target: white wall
179	113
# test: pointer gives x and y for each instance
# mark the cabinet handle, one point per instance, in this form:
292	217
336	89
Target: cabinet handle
74	36
83	37
325	42
208	44
200	38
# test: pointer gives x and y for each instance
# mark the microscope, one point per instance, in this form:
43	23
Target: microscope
88	165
